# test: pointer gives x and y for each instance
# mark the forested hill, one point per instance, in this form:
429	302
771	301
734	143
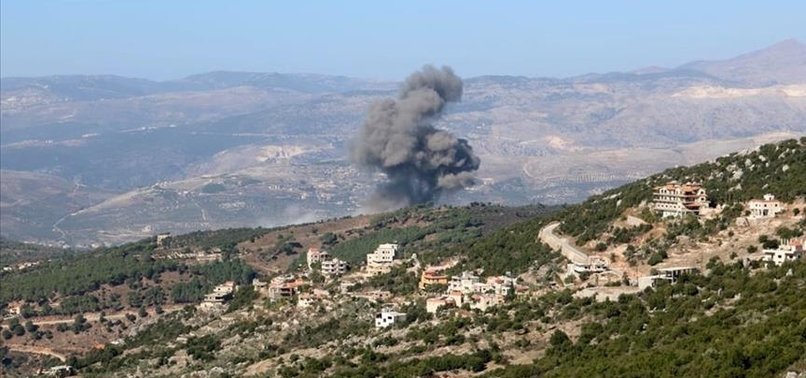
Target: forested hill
730	181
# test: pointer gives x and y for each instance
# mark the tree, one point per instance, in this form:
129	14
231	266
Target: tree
328	238
559	341
30	326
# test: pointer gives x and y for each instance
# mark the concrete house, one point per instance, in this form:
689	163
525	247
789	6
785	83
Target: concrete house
676	200
433	276
764	208
334	267
316	256
382	260
388	317
790	251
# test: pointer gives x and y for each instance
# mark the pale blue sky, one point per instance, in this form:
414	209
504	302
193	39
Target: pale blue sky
381	39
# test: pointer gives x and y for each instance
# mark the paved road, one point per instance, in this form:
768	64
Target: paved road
570	252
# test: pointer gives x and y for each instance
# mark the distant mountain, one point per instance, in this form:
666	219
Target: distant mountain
782	63
97	87
278	142
307	83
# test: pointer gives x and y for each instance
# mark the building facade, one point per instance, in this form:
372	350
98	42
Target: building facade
316	256
334	267
381	261
764	208
790	251
388	317
676	200
433	276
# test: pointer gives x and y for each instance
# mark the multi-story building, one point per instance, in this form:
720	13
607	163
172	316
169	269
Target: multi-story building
433	276
284	286
381	261
316	256
220	295
334	267
764	208
675	199
789	251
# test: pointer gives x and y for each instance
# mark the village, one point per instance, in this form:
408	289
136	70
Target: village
318	282
587	272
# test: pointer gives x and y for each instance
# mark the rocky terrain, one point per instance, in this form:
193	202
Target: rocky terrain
123	158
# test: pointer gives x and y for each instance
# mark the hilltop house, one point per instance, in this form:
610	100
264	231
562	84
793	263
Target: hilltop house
764	208
675	199
789	251
381	261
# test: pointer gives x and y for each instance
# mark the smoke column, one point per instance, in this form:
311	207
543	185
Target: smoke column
397	137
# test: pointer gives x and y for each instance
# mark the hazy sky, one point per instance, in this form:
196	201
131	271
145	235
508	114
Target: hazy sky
381	39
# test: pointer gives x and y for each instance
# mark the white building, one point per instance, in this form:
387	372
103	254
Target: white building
381	261
765	208
334	267
388	317
670	275
790	251
675	200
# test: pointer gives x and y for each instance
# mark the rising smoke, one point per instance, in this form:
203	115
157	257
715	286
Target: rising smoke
420	161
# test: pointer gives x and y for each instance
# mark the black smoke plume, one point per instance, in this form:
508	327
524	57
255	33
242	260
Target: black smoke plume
420	161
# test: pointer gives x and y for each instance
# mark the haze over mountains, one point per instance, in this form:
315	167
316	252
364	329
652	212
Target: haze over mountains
106	159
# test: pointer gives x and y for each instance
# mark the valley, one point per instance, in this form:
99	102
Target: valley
277	143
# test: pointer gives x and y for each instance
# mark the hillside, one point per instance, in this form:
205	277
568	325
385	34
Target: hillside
733	315
541	140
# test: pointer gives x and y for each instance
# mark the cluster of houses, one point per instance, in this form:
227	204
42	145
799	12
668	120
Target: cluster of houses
675	200
21	266
468	289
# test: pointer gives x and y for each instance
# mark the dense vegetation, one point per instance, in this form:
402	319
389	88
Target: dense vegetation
730	323
77	275
12	252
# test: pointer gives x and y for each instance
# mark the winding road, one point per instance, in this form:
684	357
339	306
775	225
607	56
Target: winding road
570	252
